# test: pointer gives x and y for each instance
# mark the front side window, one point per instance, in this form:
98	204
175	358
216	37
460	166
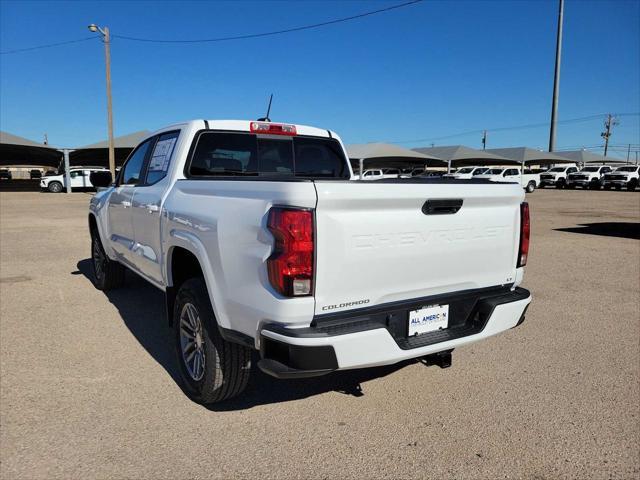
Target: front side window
130	174
243	154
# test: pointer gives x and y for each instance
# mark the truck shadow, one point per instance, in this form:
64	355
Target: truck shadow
608	229
141	307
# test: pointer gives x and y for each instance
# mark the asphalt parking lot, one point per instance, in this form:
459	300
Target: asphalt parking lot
88	382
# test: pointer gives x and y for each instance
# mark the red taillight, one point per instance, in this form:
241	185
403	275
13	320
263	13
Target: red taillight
525	232
273	128
291	264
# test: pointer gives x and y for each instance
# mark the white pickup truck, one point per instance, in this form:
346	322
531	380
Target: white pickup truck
557	176
261	241
529	181
591	176
626	176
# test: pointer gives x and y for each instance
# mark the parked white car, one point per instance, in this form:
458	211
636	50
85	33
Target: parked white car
626	176
466	173
591	176
557	176
529	181
79	179
261	241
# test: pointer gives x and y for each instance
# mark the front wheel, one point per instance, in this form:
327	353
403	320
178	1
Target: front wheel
212	369
55	187
632	185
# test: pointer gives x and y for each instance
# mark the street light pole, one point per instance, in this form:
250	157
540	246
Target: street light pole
556	80
106	38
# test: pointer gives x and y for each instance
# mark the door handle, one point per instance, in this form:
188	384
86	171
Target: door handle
126	203
152	208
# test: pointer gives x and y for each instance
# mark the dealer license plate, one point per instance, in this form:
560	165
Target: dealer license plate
428	319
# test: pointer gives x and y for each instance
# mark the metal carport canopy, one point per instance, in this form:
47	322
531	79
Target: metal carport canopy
384	155
526	155
97	154
583	156
15	150
461	156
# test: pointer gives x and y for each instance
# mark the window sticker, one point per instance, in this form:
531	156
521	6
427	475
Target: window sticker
162	155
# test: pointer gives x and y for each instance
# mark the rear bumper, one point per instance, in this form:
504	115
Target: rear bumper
378	336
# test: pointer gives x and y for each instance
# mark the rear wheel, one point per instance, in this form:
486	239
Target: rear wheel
212	369
108	274
531	186
55	187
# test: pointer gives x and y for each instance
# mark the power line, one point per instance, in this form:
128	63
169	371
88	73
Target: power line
276	32
49	45
516	127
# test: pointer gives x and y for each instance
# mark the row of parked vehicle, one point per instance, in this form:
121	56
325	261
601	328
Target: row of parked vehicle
566	176
592	177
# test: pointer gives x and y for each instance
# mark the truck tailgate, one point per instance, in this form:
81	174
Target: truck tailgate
375	244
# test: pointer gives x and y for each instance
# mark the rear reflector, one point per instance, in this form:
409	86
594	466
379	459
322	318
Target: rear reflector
525	232
291	263
273	128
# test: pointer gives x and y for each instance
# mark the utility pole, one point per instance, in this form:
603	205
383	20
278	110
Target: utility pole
106	38
556	79
46	139
484	140
628	152
609	123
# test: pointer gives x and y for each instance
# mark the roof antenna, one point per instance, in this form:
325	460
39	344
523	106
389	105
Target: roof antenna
266	117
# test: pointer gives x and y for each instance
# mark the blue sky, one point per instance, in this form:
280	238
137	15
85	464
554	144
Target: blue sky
411	75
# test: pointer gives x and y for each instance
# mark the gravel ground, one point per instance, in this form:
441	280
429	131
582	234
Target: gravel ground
88	382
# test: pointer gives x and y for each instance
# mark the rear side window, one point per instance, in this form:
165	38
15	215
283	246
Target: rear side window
243	154
161	157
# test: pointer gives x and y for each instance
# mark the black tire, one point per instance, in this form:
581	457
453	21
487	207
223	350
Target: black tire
607	187
571	186
531	186
107	274
54	187
632	184
618	187
227	365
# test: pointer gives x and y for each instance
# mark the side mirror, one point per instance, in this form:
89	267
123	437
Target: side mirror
101	178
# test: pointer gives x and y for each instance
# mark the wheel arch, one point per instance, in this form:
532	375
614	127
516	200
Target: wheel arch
184	262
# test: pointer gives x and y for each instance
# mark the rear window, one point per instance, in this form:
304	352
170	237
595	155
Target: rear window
243	154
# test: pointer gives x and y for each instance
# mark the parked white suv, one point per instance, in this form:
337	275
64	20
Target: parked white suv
467	172
589	177
626	176
79	179
557	176
372	174
261	241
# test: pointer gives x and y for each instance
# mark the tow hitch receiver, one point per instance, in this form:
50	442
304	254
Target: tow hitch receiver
441	359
